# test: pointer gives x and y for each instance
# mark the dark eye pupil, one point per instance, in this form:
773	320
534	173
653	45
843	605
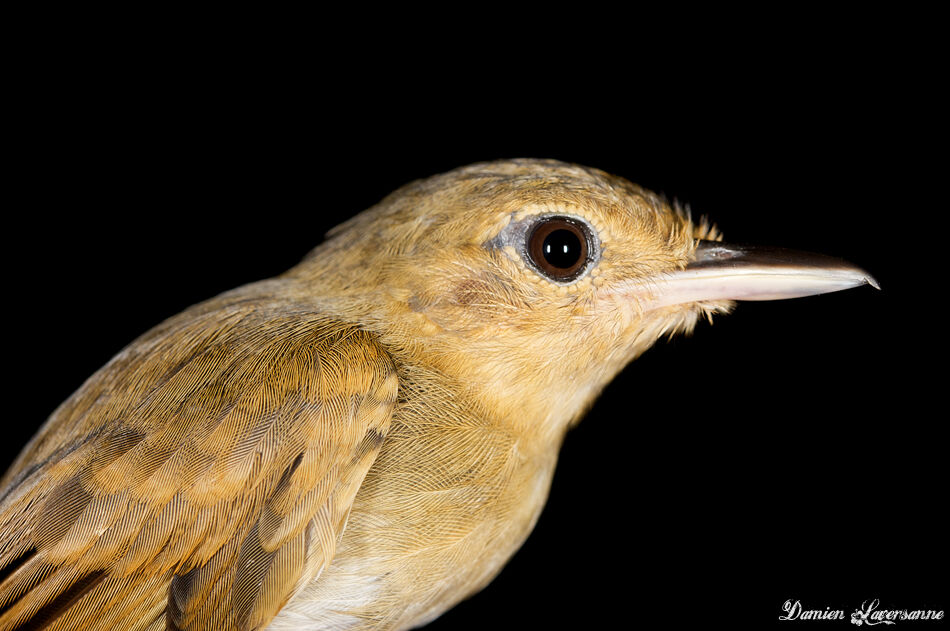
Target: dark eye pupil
557	246
562	249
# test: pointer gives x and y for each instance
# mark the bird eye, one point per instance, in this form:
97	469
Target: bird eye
558	247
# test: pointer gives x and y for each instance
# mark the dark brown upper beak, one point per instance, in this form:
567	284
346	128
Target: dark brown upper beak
721	271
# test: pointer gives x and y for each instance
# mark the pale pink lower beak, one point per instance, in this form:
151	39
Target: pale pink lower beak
721	271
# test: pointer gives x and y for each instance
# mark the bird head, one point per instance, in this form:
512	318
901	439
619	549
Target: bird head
534	282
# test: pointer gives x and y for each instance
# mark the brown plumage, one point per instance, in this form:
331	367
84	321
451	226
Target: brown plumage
365	440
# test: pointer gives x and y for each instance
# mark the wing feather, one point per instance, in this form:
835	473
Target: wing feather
206	472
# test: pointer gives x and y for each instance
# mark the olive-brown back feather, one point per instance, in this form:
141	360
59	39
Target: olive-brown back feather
200	478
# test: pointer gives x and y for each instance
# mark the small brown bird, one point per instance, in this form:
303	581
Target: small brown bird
365	440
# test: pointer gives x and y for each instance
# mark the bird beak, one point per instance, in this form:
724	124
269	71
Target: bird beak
721	271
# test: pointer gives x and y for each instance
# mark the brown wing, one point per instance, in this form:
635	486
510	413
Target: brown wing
199	479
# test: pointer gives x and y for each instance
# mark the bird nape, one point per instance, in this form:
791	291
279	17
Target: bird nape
365	440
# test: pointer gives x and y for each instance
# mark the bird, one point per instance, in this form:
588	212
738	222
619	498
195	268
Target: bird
365	440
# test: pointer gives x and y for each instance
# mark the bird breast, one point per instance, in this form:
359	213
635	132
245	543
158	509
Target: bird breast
450	498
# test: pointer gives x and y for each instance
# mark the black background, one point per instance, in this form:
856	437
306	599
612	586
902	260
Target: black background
793	450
